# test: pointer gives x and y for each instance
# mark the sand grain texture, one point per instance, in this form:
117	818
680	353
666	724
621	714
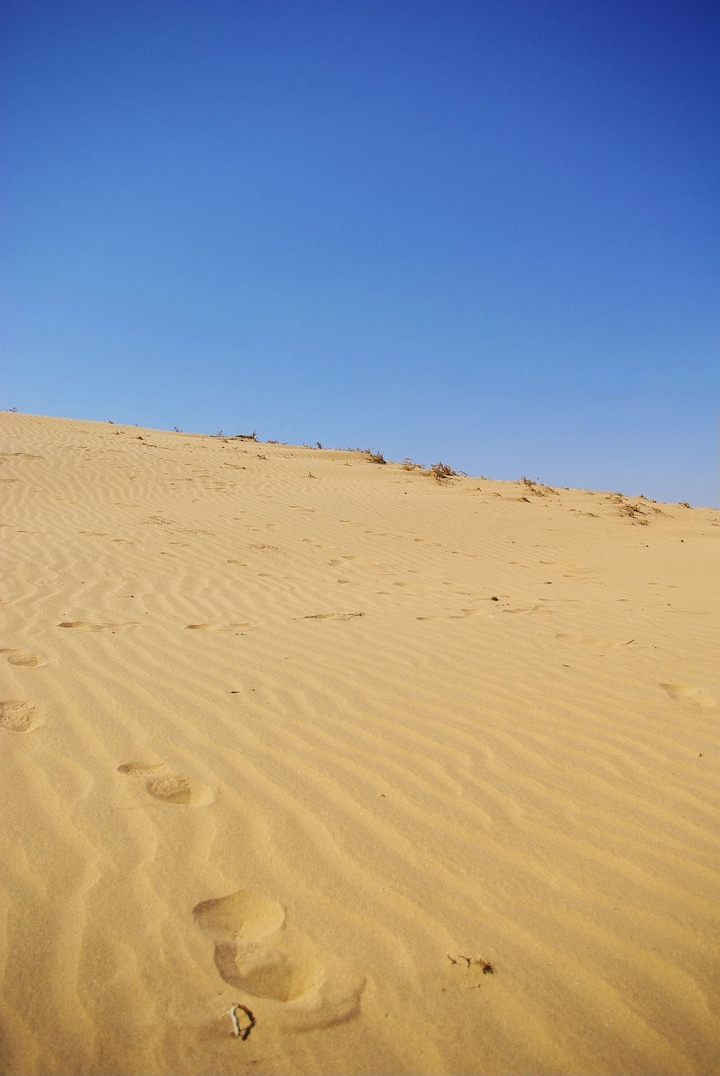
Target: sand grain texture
422	774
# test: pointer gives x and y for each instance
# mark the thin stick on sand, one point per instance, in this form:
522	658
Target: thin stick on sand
241	1032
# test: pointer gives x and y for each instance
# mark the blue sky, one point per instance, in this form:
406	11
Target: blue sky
483	232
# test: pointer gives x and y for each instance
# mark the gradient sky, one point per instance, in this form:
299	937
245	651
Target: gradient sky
478	232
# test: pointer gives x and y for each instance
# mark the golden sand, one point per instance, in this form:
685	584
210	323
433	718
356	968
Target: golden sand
315	765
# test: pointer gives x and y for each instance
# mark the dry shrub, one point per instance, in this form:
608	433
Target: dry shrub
537	487
441	472
633	511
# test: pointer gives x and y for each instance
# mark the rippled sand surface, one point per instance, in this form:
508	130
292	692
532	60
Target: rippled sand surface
310	764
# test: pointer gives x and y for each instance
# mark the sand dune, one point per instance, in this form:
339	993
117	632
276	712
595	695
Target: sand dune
388	774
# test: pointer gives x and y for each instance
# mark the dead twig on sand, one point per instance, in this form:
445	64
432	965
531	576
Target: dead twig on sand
239	1031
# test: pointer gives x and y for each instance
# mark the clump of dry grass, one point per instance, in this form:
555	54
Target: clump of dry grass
441	472
375	457
409	465
537	487
633	511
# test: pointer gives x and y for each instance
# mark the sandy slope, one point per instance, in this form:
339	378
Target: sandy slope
286	728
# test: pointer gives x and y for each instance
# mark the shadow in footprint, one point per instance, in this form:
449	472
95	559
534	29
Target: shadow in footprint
268	972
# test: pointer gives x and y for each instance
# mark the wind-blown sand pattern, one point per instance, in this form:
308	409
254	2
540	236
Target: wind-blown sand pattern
429	786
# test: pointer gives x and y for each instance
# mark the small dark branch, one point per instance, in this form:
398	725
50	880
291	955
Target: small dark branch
238	1031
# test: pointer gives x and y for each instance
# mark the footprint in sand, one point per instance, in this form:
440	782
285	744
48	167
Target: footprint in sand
176	788
329	616
182	790
523	611
82	625
29	661
141	769
243	916
18	716
687	693
276	967
588	640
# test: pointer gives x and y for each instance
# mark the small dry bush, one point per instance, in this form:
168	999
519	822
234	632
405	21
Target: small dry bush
633	511
537	487
375	457
441	472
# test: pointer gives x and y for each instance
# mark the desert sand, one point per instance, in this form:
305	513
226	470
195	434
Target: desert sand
385	773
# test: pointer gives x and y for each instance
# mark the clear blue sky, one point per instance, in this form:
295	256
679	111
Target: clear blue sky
483	232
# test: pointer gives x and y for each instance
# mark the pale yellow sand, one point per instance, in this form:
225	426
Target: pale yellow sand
288	729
